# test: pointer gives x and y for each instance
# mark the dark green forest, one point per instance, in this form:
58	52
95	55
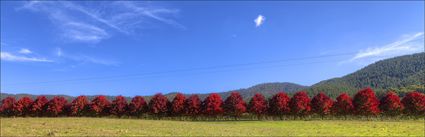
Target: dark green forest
400	74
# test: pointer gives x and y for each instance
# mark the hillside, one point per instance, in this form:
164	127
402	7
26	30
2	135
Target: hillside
395	73
401	74
266	89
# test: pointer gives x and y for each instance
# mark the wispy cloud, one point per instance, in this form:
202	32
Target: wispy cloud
25	51
407	45
84	32
83	59
95	21
6	56
58	52
88	59
137	11
259	20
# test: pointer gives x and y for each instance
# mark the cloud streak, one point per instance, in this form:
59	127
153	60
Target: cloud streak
84	32
6	56
25	51
408	45
95	21
83	59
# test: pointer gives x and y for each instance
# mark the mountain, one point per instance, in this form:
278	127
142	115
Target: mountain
267	89
398	73
401	74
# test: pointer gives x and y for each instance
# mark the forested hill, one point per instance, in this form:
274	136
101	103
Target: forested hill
267	89
401	74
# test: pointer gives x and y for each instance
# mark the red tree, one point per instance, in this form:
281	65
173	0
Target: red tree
67	109
258	105
158	105
300	104
22	106
177	105
279	104
55	106
390	104
137	106
414	103
234	105
100	106
192	106
343	105
321	104
366	103
212	105
119	106
6	108
79	105
38	106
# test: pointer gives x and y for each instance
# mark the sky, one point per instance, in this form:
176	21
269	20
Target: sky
142	48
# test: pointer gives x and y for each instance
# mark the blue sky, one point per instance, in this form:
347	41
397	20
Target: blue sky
141	48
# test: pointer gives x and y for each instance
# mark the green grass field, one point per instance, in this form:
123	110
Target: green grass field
130	127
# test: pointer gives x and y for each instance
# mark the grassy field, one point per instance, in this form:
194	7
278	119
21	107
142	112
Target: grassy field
130	127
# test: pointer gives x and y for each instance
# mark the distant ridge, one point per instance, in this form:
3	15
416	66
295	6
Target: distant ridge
400	74
266	89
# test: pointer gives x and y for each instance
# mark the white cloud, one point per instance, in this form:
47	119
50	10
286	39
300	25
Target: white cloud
82	59
84	32
259	20
25	51
6	56
408	45
138	11
95	21
88	59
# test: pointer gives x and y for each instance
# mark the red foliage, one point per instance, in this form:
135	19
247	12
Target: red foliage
6	108
321	104
158	105
258	105
67	109
390	104
414	103
279	104
300	104
177	105
22	106
38	106
100	106
343	105
234	105
119	106
79	105
55	106
366	103
212	105
137	106
192	106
